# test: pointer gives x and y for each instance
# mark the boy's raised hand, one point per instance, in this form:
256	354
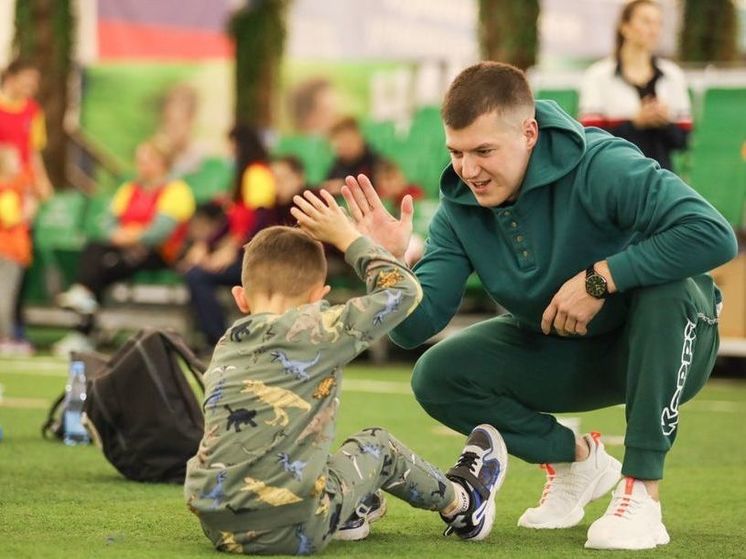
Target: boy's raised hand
323	219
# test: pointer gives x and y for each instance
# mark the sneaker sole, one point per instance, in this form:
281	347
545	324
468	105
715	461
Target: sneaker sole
501	451
362	531
661	538
605	482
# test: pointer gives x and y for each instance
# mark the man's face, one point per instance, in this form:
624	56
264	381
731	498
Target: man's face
491	155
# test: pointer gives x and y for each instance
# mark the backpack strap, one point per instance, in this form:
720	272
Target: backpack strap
51	426
195	365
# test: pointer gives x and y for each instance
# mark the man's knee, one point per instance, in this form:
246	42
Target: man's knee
429	377
672	293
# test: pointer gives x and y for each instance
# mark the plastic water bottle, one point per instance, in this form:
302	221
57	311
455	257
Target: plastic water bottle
74	432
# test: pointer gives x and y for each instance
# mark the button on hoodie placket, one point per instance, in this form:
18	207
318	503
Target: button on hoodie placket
510	225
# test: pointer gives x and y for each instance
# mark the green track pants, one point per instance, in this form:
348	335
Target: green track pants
499	373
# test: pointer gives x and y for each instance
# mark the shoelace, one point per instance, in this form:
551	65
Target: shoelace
624	505
467	460
568	485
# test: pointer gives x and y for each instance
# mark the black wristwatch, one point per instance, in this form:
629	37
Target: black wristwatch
595	283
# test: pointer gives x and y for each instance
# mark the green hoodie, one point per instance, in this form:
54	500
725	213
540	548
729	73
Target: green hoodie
586	196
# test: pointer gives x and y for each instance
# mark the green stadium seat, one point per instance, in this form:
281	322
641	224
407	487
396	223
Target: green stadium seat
565	98
213	178
314	151
718	170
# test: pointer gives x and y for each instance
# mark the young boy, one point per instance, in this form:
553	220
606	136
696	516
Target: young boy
262	481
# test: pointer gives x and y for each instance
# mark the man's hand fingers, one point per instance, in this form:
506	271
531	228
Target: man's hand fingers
358	195
374	201
548	317
355	212
407	210
559	322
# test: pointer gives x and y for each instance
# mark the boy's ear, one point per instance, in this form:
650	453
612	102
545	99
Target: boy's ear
239	296
318	293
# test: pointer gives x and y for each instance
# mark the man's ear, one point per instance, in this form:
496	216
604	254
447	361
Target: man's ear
239	296
531	132
318	293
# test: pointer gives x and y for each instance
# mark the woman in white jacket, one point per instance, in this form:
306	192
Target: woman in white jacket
636	95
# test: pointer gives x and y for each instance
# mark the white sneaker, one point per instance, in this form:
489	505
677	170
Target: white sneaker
572	485
632	521
79	299
74	341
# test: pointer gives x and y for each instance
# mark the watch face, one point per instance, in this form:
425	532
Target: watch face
595	285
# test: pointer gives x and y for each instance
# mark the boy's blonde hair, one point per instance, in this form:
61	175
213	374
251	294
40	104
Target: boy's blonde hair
282	260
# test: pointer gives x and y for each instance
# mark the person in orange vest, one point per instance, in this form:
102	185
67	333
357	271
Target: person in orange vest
147	223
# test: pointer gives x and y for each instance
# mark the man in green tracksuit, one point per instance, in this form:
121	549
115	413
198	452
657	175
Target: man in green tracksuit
598	255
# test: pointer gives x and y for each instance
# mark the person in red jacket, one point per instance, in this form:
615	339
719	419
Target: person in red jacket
147	223
16	207
22	122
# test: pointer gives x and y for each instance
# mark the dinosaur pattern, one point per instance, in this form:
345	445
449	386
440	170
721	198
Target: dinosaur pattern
239	417
270	410
295	468
276	397
272	496
217	492
299	369
393	298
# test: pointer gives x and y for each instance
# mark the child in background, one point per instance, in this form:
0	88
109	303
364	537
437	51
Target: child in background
207	227
262	481
16	209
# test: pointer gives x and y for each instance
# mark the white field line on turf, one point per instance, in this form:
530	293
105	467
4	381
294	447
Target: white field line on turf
376	386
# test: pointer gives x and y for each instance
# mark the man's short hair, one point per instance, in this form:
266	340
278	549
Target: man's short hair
483	88
282	260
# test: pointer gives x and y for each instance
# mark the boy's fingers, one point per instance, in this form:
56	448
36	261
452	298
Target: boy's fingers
314	200
305	206
329	199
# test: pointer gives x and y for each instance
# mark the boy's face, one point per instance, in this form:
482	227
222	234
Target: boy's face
491	155
24	84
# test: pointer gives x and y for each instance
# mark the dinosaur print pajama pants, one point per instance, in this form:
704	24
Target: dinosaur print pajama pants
366	462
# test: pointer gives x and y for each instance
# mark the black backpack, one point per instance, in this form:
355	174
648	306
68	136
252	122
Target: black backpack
141	410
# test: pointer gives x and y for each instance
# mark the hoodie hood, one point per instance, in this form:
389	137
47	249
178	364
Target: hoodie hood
560	148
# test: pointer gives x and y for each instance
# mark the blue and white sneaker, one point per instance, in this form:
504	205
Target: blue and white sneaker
368	511
481	470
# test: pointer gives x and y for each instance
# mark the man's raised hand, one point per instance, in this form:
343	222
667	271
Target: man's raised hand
372	219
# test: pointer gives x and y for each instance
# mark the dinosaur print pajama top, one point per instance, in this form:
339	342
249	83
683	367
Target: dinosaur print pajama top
263	480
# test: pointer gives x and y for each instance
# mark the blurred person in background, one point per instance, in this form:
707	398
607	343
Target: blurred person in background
22	126
17	207
313	106
22	122
636	95
262	192
352	154
146	226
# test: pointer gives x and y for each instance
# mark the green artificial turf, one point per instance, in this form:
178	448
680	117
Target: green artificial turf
57	501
